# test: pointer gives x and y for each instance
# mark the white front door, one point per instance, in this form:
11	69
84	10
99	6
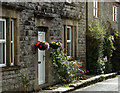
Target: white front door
41	60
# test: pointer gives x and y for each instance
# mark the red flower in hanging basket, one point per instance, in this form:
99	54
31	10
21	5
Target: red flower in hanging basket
42	45
37	44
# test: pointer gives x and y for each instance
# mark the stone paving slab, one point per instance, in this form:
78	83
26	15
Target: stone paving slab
80	84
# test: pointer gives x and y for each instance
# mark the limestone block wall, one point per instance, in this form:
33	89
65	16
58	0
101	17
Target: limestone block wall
56	13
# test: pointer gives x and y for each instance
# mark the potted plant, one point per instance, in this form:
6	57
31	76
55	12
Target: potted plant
42	45
55	45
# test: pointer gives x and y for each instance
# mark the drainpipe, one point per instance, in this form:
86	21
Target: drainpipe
86	29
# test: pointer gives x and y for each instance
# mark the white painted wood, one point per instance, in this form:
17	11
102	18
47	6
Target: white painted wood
3	41
41	58
69	41
12	42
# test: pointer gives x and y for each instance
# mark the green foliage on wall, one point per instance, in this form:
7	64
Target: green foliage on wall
62	66
99	48
116	53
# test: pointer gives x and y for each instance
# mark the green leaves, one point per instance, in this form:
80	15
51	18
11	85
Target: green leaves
25	80
100	43
63	67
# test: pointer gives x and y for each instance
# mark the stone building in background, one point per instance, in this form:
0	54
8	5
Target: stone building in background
104	11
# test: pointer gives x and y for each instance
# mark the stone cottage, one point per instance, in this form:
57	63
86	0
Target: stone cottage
22	25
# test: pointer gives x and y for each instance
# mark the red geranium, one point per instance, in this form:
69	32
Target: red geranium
40	45
37	44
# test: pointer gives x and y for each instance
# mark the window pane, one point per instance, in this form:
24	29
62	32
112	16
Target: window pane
68	33
68	49
2	30
96	4
96	13
12	53
2	53
113	14
115	17
12	30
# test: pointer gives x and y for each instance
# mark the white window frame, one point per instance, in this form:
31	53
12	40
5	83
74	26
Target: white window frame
69	41
12	42
95	8
115	14
4	41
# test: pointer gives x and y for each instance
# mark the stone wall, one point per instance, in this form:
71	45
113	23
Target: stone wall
13	76
82	33
56	14
105	13
28	37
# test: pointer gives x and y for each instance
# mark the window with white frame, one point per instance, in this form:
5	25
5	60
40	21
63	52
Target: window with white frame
12	42
9	39
2	42
95	8
115	13
68	41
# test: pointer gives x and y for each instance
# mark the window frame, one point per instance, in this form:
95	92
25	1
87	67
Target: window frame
12	42
115	13
69	41
95	8
73	38
3	41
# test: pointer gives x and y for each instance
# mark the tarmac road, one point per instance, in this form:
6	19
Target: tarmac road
108	86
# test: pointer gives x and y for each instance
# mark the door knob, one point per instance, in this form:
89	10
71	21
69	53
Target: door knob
39	62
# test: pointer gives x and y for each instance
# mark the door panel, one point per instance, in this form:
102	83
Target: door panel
41	60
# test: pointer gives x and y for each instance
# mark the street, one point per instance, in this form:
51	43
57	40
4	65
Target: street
108	86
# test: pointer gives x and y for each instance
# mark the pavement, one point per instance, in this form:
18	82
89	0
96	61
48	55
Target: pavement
80	84
110	85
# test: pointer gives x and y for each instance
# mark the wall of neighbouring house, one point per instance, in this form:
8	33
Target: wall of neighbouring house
56	15
119	17
105	13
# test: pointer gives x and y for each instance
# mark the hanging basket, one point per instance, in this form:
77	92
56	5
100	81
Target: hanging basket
42	45
55	45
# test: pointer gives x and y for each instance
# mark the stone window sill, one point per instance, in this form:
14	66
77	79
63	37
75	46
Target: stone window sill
10	68
115	21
